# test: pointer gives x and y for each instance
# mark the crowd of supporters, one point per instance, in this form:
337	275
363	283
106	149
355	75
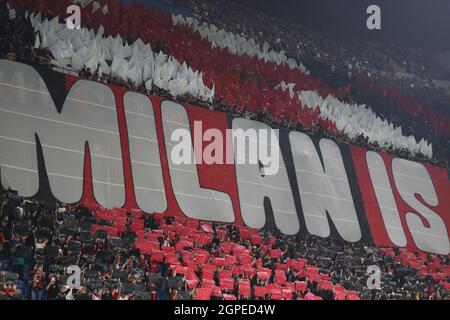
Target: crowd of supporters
353	55
131	255
126	255
19	45
360	72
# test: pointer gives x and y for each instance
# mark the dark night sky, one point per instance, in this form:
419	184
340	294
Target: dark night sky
413	23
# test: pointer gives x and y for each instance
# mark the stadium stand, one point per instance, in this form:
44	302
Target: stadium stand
132	255
269	92
352	67
128	254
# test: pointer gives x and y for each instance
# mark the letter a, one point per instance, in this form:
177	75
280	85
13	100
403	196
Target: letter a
374	20
74	20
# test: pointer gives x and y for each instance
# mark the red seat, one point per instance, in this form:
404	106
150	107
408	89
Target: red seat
275	294
272	241
135	227
237	270
245	260
313	277
263	275
290	285
244	289
447	271
265	270
209	268
227	284
220	262
180	220
439	276
151	237
105	216
208	271
187	257
238	250
155	245
208	283
301	286
260	292
200	258
158	233
192	283
224	273
338	288
244	233
157	255
171	258
111	231
270	286
259	263
221	234
144	249
326	285
136	214
339	296
249	272
324	276
312	269
183	244
203	293
179	269
256	239
264	249
168	249
226	247
185	231
140	234
280	278
203	240
275	253
446	285
216	292
207	275
193	223
352	295
229	260
281	266
119	219
287	294
140	242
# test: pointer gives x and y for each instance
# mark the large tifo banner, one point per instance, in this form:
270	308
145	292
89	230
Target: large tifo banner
81	141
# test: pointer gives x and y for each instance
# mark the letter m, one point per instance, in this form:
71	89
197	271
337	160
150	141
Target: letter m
88	120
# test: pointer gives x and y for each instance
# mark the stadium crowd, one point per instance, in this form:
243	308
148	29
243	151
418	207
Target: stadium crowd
305	44
126	255
307	119
358	71
131	255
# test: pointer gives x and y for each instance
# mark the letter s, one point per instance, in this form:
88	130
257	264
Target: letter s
413	179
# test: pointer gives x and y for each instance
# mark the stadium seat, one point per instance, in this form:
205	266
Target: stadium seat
244	288
226	284
203	293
